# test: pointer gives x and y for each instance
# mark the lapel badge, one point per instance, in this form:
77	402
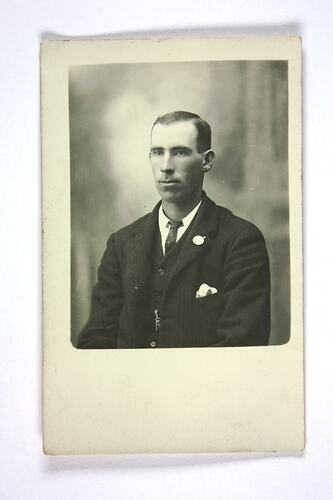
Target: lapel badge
198	240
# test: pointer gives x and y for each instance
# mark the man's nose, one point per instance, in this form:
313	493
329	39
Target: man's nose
166	165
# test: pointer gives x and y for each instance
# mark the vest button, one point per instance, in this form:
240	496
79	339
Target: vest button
153	343
161	271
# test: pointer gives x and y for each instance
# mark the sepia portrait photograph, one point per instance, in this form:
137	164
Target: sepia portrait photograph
166	286
179	204
172	246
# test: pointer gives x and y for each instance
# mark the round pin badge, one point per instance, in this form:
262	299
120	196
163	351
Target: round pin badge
198	240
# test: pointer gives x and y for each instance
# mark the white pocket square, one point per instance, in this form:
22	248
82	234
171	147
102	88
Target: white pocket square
205	290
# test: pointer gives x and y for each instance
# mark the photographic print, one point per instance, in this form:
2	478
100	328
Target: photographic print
172	246
200	144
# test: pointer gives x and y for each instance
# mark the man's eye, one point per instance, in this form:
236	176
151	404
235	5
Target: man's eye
180	153
157	152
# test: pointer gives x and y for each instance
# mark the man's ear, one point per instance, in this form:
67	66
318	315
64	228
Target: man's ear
208	160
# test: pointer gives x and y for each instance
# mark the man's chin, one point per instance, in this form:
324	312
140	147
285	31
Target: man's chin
170	197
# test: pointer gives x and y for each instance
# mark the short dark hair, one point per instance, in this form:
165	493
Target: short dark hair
204	137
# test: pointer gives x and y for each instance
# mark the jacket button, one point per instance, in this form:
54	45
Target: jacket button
161	271
136	287
153	343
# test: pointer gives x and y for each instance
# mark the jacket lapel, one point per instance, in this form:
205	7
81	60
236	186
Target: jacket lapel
205	225
204	228
142	247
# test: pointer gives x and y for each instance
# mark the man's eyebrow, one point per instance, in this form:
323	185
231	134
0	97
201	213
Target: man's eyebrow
174	148
183	148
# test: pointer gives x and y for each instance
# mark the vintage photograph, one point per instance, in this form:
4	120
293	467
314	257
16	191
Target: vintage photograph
172	246
179	204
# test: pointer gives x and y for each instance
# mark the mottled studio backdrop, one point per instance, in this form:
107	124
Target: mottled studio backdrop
111	110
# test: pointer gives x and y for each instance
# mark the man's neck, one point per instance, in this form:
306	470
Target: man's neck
177	212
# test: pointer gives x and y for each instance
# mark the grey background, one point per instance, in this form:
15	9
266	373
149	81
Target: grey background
112	108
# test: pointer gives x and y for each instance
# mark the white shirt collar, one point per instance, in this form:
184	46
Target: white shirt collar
163	223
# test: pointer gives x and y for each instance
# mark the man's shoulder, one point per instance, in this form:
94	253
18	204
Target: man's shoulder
132	228
233	225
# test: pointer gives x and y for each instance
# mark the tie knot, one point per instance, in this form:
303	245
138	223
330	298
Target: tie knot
175	225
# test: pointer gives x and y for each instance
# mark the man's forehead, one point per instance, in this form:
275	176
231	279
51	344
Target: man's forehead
180	131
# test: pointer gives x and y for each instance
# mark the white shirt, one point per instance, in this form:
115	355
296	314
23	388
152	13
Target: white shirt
164	228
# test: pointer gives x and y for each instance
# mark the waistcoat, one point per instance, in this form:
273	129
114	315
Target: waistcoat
161	270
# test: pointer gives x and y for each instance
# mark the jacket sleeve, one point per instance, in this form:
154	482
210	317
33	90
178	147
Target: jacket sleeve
101	331
245	314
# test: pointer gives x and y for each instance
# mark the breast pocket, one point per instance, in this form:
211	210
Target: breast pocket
209	303
207	311
208	299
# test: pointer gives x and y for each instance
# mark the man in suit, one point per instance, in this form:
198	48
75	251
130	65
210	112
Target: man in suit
190	273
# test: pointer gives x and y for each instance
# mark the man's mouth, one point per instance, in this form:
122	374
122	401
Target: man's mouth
171	181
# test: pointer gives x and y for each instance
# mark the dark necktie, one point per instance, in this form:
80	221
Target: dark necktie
172	235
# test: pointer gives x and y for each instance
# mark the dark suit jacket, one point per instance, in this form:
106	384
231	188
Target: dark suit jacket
233	259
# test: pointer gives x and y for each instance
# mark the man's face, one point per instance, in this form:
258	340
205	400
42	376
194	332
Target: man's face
176	164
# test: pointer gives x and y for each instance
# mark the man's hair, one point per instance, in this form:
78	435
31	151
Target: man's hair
204	136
